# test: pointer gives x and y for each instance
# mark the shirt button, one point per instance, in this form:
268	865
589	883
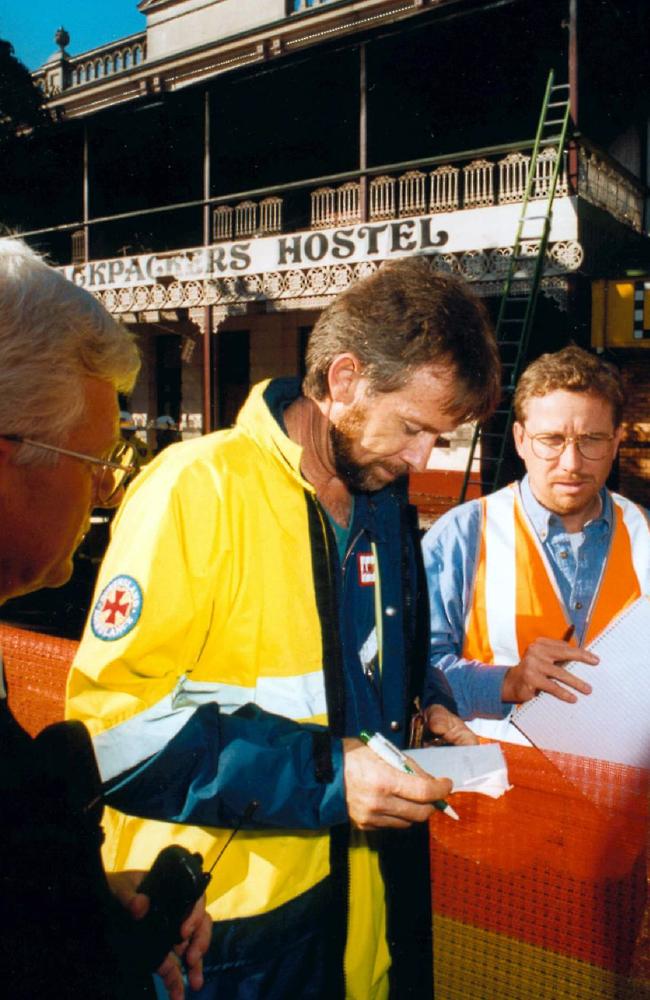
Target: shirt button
391	611
395	726
578	605
564	554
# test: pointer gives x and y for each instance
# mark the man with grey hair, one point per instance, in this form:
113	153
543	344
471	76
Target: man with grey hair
64	930
257	611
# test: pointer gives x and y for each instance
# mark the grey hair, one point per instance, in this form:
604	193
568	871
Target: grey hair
52	334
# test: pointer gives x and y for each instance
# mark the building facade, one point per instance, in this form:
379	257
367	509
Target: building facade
217	178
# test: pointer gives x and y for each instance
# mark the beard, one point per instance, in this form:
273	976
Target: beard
357	477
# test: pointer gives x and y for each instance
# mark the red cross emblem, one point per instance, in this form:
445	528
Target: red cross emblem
118	608
115	607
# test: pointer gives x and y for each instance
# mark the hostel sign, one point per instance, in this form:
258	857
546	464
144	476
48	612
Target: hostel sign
480	229
269	253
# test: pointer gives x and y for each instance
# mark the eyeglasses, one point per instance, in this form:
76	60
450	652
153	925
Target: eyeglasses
116	469
590	446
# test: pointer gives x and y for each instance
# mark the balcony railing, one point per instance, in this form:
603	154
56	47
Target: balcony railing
491	177
448	188
247	218
124	57
603	184
480	183
97	64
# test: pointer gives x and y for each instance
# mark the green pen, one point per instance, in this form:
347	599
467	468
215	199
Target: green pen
393	755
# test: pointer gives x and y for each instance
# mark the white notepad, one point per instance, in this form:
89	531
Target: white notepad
470	769
613	722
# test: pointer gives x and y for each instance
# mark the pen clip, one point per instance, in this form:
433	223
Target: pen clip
568	635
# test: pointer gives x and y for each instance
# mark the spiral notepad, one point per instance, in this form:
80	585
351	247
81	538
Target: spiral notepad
613	722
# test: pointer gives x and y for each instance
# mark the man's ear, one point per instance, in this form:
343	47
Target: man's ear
518	435
343	378
618	435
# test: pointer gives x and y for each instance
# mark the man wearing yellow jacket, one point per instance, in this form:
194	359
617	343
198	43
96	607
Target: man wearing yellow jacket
521	580
257	608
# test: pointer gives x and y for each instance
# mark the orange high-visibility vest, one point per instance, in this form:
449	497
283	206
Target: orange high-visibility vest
516	598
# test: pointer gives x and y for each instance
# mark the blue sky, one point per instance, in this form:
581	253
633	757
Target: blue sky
30	25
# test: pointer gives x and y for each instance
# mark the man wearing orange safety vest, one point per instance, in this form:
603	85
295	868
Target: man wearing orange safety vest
522	580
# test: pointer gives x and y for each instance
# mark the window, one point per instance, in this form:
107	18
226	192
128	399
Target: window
295	6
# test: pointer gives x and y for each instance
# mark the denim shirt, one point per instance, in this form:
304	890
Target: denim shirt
450	551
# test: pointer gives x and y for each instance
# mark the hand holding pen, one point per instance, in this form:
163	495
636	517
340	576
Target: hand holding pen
541	667
394	756
378	796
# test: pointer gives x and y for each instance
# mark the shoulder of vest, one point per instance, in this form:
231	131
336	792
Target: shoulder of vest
507	494
631	508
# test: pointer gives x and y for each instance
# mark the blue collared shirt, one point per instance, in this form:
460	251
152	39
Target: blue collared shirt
450	550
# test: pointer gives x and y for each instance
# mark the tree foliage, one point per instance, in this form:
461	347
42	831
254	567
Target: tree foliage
21	101
23	120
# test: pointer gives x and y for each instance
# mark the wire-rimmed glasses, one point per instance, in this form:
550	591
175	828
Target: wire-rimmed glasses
590	446
117	468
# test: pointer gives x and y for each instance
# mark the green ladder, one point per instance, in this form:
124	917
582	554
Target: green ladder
517	312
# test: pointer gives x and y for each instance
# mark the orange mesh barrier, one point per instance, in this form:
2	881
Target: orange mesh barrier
540	895
36	669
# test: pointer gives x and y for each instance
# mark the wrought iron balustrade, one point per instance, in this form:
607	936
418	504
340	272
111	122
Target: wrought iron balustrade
382	197
489	178
603	184
412	198
247	218
478	184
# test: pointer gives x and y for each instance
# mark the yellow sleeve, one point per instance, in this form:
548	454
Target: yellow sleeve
152	604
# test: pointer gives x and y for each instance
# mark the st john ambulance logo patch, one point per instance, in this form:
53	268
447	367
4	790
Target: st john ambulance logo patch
118	608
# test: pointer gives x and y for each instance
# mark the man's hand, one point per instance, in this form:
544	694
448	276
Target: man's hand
541	668
195	933
378	795
449	727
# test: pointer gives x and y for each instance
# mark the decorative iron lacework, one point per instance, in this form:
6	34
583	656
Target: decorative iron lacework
485	269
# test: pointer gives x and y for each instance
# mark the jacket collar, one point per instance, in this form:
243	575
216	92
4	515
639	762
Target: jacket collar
262	418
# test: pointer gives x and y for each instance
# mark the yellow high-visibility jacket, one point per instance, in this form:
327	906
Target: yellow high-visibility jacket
212	675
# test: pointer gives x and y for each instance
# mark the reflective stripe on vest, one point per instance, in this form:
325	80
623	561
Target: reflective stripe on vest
513	575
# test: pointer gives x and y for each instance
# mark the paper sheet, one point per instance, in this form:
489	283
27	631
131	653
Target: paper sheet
471	769
613	722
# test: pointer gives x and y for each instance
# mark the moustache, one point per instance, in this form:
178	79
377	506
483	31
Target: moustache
572	480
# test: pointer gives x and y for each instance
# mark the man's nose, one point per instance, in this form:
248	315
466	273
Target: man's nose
417	454
101	489
113	501
571	458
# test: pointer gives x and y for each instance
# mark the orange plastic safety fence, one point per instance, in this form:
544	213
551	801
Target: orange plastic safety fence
36	670
542	893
